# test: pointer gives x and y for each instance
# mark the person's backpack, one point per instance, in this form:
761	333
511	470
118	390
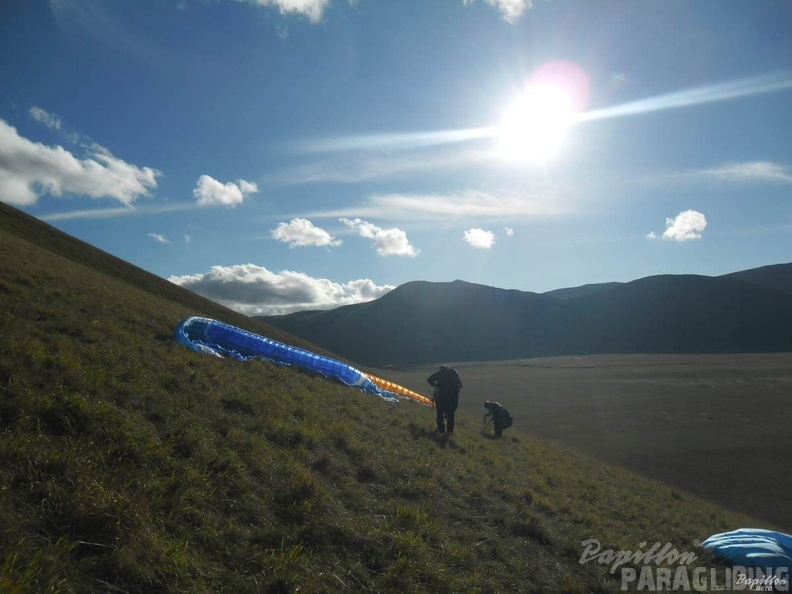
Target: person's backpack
497	411
507	418
448	381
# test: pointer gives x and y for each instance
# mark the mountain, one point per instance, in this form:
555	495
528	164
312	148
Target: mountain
571	292
422	322
776	276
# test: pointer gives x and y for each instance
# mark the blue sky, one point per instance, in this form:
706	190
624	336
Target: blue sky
279	155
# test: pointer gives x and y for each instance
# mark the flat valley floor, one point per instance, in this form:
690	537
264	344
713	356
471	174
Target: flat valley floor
717	426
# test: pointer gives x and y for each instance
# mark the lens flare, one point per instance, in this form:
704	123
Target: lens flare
539	119
737	89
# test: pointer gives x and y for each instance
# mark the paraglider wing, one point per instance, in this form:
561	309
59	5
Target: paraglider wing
400	390
212	337
753	547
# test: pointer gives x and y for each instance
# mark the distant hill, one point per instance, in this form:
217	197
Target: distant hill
776	276
421	322
571	292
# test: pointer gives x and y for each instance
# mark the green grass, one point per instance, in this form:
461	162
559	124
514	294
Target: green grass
131	464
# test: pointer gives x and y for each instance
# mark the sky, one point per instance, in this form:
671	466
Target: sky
282	155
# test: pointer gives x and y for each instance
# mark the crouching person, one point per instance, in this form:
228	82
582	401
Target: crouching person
499	416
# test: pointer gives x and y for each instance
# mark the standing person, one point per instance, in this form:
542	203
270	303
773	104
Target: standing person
447	383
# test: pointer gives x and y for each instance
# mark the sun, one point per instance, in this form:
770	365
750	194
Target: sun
535	125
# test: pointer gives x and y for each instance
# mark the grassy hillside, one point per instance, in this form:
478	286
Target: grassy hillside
131	464
14	222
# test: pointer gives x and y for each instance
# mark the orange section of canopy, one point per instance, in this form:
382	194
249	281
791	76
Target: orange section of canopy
397	389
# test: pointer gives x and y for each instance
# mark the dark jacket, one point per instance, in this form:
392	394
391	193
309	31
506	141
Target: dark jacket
447	382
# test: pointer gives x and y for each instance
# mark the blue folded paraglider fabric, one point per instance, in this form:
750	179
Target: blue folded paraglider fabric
212	337
753	547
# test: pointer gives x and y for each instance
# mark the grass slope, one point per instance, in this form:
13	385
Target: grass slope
131	464
15	222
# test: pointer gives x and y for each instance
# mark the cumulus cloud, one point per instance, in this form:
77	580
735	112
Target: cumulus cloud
687	225
254	290
158	238
50	120
511	10
30	169
55	123
312	9
301	233
752	171
208	191
480	238
389	242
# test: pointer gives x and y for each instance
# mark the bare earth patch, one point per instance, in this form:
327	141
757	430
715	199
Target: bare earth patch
718	426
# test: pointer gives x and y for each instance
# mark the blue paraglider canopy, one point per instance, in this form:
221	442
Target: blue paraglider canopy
753	547
212	337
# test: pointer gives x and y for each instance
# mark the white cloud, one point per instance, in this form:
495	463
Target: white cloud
505	206
301	233
55	123
50	120
731	174
389	242
312	9
247	187
208	191
30	169
254	290
113	213
687	225
363	165
158	238
480	238
511	10
752	171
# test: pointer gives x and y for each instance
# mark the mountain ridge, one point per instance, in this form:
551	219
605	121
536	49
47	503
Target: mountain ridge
424	322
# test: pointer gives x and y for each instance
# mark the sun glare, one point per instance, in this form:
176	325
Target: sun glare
535	126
